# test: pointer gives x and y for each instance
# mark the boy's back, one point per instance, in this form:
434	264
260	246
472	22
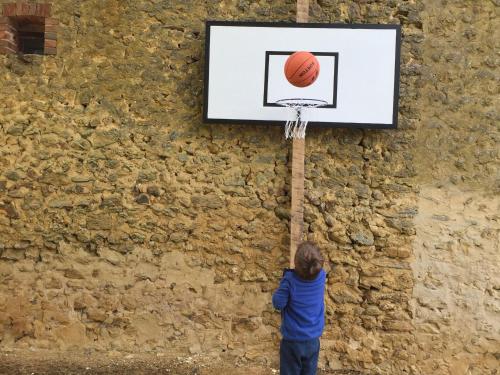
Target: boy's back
302	306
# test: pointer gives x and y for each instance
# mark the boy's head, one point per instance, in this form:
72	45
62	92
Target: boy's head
308	260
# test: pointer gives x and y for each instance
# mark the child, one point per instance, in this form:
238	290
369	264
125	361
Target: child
300	299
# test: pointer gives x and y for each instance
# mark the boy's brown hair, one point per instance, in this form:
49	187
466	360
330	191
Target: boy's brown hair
308	260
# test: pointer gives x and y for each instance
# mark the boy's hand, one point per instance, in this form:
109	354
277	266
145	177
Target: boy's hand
285	270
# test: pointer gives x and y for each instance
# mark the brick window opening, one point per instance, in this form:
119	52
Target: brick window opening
27	28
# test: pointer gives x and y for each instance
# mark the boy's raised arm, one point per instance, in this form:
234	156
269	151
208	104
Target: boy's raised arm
280	296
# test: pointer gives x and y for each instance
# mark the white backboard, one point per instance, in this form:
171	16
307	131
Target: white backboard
359	73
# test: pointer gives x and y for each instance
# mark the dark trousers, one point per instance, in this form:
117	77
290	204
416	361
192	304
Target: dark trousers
299	357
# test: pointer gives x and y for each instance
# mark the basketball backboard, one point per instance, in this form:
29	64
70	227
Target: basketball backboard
359	76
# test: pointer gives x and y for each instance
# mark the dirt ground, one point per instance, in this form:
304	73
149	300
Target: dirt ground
26	363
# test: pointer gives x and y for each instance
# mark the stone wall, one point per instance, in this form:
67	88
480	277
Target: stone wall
126	224
457	304
456	291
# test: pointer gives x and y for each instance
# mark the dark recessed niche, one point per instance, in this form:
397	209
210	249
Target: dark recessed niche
30	34
31	42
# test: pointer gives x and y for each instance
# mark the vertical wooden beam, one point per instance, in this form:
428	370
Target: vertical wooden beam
297	205
302	10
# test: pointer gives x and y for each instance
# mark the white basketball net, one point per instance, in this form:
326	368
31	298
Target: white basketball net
296	128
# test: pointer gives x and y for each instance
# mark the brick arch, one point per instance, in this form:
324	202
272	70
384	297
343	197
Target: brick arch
20	20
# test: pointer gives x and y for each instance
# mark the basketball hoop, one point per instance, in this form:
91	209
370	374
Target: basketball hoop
296	128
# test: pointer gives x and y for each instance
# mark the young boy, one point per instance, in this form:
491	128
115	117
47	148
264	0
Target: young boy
300	299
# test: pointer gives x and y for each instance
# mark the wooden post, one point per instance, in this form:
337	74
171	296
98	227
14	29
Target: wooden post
297	205
302	10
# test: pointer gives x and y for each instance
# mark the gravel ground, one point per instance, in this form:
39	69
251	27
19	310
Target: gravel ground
21	363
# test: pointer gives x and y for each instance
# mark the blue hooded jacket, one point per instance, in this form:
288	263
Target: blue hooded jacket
302	306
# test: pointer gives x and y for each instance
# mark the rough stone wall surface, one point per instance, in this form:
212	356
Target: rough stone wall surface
126	224
457	258
457	301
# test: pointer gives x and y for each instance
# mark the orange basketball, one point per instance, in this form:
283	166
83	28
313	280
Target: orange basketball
302	69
